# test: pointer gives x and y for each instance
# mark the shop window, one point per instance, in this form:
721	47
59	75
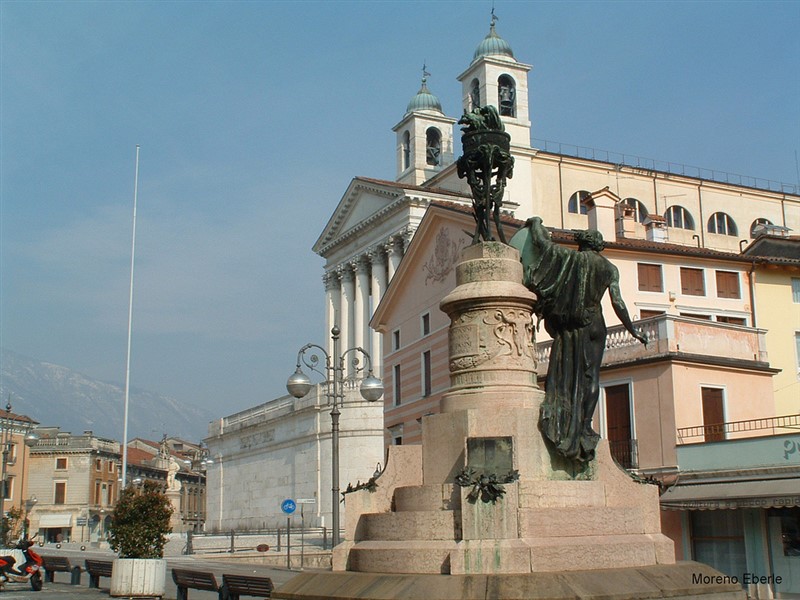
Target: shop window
692	282
728	285
650	279
718	540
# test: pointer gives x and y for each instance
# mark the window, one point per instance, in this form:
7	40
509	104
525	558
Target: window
696	316
433	146
396	339
679	217
61	464
60	495
396	433
97	495
406	150
507	96
619	425
111	466
713	414
396	384
728	285
426	373
98	464
722	224
475	94
9	491
426	324
796	290
731	320
12	454
797	350
575	204
758	227
640	211
692	283
646	314
650	278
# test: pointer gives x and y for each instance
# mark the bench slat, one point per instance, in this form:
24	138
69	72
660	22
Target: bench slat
247	585
198	580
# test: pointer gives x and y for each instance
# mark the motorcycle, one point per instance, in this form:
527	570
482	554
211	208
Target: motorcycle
30	570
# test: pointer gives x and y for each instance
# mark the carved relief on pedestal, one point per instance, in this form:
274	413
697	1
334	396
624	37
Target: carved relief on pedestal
478	337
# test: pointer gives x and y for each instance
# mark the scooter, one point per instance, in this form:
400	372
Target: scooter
30	570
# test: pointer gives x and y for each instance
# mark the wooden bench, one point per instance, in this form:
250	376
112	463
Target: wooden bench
61	564
97	569
234	586
197	580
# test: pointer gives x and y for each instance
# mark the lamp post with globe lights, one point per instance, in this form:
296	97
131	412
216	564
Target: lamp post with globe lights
299	384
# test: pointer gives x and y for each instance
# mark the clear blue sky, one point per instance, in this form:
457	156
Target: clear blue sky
253	117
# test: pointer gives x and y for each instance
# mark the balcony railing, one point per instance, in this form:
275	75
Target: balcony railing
670	334
721	431
625	452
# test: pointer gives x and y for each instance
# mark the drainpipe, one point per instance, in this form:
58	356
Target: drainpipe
753	294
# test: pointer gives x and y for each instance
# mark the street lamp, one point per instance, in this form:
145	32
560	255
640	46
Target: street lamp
299	385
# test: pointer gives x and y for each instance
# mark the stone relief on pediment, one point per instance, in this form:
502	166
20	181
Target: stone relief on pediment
445	255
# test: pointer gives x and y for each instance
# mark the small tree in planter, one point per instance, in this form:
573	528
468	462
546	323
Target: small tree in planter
138	530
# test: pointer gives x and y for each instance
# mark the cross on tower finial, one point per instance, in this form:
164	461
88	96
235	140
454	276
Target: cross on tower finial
495	18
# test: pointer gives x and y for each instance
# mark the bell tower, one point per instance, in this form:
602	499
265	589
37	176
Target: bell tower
424	137
495	77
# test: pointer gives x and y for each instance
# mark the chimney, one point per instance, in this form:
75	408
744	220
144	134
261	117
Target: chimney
626	220
602	207
655	227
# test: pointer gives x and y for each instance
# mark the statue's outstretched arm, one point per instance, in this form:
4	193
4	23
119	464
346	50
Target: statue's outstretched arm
621	310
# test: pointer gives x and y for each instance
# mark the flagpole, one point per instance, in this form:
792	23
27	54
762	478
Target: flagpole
130	323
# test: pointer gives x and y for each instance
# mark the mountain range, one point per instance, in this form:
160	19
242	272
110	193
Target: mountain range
55	395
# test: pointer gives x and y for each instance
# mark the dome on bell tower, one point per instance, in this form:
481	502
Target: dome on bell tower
424	100
493	44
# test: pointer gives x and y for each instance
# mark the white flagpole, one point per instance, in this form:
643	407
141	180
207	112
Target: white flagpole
130	323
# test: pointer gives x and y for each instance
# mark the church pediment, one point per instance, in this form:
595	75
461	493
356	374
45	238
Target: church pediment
363	202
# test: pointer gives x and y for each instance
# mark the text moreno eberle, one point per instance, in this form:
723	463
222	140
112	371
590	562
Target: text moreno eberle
745	579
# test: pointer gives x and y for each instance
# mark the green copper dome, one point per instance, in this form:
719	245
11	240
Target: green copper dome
492	45
424	100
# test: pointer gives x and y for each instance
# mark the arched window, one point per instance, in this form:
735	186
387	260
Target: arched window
758	226
575	204
679	217
433	146
638	207
406	150
475	94
722	224
507	96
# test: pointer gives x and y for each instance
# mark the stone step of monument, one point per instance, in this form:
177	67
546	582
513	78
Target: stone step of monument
426	497
587	521
411	525
600	552
401	557
561	494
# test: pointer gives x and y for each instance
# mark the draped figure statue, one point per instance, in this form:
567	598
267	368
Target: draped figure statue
570	285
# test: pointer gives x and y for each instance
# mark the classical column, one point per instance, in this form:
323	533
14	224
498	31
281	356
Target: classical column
346	306
361	313
333	300
378	283
394	248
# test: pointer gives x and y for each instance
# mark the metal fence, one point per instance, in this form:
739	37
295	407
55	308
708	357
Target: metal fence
263	540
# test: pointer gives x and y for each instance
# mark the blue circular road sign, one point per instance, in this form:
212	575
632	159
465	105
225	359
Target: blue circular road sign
288	506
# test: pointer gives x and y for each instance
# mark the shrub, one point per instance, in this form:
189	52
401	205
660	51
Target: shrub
140	523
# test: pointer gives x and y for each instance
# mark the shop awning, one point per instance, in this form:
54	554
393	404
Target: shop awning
57	520
774	493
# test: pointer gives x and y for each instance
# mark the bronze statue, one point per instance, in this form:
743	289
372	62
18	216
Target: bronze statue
486	158
569	285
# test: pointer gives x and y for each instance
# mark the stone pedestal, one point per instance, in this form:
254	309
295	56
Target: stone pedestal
420	531
174	497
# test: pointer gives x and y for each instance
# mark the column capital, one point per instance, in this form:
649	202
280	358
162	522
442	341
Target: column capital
377	255
330	279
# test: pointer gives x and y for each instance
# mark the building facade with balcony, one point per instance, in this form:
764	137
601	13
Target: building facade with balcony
75	479
15	431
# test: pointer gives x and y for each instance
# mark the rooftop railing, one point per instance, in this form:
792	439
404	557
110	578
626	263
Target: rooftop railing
650	164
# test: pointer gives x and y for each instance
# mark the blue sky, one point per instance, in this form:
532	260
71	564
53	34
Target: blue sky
253	117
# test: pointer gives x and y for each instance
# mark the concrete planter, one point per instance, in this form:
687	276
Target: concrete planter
138	578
